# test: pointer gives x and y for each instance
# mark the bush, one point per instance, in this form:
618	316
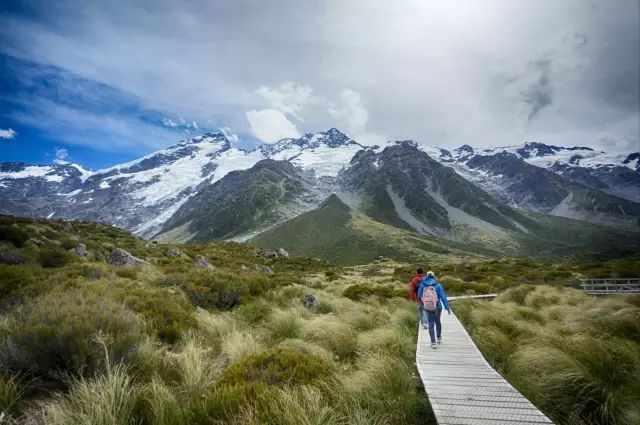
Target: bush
13	234
283	325
55	335
54	257
224	291
360	291
279	366
15	279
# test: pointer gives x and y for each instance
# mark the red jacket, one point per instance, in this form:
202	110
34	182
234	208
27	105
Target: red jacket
413	286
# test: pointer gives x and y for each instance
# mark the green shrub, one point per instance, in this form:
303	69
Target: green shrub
54	257
225	291
14	280
360	291
279	366
254	312
283	325
127	272
57	334
69	243
13	234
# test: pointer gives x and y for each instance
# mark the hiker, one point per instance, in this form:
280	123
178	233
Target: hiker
433	299
413	294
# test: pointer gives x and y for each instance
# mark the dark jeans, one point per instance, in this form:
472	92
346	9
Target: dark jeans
433	317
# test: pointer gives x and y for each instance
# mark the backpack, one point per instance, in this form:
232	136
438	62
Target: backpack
430	298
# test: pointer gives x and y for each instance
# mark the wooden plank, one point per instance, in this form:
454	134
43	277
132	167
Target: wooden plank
461	385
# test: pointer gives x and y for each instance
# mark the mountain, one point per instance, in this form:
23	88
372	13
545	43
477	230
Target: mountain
336	232
244	202
417	199
142	195
510	176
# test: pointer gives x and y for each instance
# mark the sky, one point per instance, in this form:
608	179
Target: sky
103	82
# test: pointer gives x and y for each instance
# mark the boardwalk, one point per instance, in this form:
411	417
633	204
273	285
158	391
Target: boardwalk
463	388
611	286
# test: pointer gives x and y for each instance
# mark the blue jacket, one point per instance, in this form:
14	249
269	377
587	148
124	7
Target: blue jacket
442	296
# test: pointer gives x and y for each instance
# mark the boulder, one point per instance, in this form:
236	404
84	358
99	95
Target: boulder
120	257
267	254
202	263
243	267
13	257
263	269
283	253
174	252
309	301
81	249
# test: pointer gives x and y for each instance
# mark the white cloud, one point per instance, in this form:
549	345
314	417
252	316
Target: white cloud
289	98
271	125
9	133
168	122
230	134
354	116
61	156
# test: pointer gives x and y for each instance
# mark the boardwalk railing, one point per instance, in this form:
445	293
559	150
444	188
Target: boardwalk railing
463	388
611	286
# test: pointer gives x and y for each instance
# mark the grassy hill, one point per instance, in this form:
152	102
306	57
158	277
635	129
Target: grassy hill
171	343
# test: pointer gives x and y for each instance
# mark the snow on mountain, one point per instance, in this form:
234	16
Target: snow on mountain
326	152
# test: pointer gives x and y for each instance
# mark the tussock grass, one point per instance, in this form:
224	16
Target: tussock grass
283	324
12	390
238	344
576	357
105	400
334	335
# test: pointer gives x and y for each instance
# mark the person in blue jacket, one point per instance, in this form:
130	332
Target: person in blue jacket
433	317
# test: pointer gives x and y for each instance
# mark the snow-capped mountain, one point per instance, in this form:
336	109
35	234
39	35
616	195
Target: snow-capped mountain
142	195
617	174
553	180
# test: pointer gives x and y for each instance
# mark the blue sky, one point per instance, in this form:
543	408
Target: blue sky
106	81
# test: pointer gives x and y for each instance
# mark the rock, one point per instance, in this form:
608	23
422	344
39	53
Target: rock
267	254
147	245
243	267
120	257
283	253
13	257
263	269
202	263
309	301
174	252
81	249
67	227
37	241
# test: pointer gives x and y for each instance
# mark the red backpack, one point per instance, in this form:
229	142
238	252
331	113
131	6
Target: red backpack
429	298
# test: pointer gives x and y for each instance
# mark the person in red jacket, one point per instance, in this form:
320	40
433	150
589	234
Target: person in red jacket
413	294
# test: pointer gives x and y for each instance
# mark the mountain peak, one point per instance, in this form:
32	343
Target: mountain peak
334	202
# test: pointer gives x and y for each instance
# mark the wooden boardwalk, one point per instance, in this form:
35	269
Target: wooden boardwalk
463	388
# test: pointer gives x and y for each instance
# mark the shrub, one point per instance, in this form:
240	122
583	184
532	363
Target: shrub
53	257
15	279
279	366
13	234
254	312
225	291
360	291
56	334
69	243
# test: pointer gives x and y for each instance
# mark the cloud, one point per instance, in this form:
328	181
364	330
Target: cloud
231	135
539	94
351	111
289	98
168	122
436	72
61	156
9	133
271	125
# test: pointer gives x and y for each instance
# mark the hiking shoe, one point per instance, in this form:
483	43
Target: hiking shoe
433	345
425	327
439	340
